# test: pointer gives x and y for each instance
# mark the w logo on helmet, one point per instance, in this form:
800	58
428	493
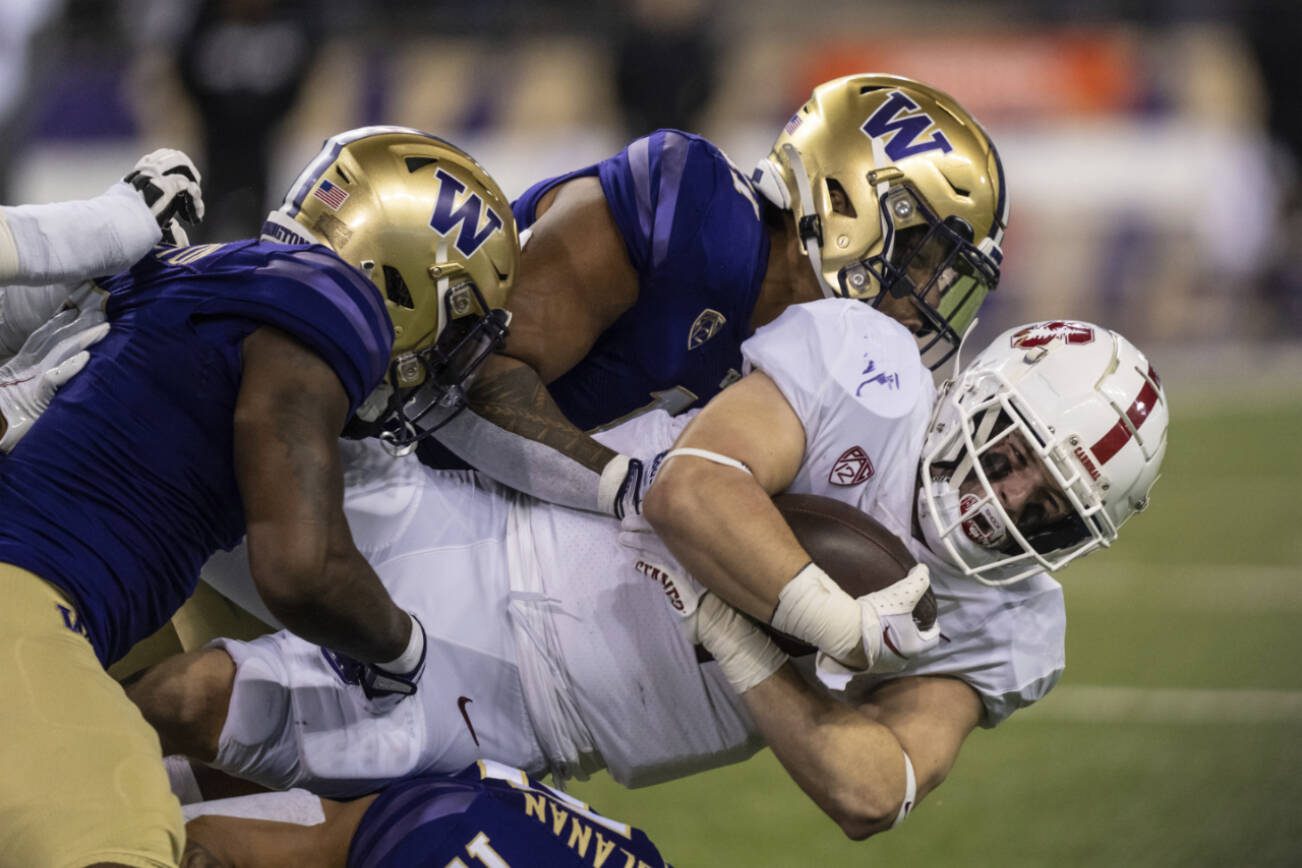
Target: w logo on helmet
902	134
466	216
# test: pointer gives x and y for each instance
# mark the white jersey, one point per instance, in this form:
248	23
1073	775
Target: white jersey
854	378
546	650
565	655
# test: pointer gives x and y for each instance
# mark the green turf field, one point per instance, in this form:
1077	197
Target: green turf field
1200	606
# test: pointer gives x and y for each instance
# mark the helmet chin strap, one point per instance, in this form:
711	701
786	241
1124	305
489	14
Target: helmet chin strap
958	353
807	227
281	227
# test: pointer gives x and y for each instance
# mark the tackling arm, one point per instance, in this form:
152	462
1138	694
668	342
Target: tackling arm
575	280
290	411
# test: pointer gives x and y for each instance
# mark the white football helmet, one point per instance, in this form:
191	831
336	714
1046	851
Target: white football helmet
1082	401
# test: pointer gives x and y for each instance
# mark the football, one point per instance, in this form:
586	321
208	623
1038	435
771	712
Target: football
855	549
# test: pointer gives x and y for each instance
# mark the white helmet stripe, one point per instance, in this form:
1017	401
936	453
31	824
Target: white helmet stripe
330	149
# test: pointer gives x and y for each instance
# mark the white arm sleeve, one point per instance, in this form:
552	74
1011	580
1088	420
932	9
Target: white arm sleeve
298	807
526	465
67	242
24	309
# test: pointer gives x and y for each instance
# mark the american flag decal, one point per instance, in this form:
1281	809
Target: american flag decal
333	196
793	124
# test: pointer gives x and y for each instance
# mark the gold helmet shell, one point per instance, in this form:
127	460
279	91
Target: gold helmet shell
896	191
435	234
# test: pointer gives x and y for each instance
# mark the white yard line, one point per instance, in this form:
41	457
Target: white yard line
1092	704
1237	588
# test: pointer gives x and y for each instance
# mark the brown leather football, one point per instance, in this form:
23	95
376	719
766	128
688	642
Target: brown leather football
854	548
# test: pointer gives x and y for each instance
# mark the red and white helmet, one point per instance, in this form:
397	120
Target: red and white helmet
1089	406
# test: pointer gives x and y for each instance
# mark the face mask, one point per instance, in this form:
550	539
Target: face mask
976	529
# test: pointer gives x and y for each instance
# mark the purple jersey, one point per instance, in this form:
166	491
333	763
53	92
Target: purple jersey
693	229
126	485
491	814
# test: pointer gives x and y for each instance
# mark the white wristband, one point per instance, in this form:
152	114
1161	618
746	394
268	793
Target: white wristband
409	658
746	655
814	609
910	790
612	479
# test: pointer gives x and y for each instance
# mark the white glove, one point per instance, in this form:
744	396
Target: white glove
891	638
169	183
24	309
743	651
51	356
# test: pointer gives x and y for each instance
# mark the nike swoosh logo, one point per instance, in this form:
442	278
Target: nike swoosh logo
886	637
462	702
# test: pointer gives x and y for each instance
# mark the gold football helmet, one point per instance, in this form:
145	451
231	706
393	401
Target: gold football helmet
897	193
435	233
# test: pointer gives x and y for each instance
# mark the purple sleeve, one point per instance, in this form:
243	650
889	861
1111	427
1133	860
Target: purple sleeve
322	302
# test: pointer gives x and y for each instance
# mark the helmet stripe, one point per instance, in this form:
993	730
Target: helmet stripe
325	159
1119	434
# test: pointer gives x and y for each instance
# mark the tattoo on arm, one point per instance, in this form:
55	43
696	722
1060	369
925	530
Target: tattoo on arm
517	400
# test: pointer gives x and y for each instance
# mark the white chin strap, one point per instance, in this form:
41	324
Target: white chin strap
279	226
768	180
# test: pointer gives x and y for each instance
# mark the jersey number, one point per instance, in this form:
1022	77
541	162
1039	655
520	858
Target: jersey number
482	852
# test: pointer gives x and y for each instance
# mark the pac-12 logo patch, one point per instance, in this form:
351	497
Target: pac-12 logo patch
706	326
1041	333
852	468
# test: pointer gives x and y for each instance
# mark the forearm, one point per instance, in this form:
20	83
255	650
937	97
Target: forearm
723	528
301	552
514	432
342	606
65	242
851	766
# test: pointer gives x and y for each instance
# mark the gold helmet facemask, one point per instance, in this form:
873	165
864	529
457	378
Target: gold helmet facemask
435	234
897	192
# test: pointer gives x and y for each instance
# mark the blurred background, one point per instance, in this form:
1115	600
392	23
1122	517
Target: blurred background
1153	153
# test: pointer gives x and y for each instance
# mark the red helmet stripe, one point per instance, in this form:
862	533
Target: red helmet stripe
1119	434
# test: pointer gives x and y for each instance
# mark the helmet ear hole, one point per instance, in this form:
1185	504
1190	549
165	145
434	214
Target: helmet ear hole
415	164
840	199
395	288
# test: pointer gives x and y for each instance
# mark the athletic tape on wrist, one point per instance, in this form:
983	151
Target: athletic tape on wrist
814	609
746	655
